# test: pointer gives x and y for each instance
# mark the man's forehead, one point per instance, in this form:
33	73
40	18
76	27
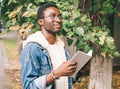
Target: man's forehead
52	10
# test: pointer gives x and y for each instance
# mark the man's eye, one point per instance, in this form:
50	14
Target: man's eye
60	16
53	16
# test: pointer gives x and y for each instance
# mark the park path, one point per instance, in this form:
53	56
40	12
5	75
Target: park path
4	64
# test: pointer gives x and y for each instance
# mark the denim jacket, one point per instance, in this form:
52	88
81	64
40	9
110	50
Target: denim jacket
35	66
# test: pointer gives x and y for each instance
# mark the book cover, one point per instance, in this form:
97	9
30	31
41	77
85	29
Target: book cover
81	58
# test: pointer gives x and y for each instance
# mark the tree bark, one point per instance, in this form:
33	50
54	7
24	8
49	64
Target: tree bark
100	73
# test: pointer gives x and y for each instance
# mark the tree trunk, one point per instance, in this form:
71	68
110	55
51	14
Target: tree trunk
100	73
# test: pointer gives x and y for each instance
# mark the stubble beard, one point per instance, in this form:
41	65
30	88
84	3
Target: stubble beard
53	32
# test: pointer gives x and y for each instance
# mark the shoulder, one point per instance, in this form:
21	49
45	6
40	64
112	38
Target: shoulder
32	48
32	52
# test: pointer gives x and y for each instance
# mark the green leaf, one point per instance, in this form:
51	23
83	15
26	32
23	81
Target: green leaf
69	41
75	14
65	14
84	18
37	1
69	34
79	31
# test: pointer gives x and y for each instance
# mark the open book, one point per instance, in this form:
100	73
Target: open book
81	58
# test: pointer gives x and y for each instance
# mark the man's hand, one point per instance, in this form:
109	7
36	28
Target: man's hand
66	69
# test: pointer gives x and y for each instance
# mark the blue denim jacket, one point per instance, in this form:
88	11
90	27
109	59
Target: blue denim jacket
35	65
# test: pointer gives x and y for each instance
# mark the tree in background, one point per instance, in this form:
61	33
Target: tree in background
85	21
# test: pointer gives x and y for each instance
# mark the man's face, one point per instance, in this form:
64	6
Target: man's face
52	20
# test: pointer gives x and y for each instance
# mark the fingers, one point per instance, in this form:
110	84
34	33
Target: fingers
72	63
71	67
70	71
67	68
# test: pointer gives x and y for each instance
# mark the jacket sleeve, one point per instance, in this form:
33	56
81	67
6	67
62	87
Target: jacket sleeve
30	65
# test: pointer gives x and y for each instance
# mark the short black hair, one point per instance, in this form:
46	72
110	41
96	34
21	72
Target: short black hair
43	7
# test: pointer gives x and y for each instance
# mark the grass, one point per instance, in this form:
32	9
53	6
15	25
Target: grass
11	46
10	43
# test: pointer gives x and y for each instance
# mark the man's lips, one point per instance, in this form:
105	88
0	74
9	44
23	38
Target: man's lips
57	26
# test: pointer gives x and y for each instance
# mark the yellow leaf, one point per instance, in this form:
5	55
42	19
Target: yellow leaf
17	27
33	13
25	14
30	26
24	25
102	39
14	20
12	14
119	14
18	9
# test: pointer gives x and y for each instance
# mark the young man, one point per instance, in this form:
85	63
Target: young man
44	60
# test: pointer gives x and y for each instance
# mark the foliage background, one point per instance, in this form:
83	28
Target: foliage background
89	28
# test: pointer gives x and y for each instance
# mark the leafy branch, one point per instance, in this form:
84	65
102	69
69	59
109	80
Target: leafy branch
90	28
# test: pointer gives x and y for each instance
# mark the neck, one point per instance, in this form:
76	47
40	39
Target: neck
51	38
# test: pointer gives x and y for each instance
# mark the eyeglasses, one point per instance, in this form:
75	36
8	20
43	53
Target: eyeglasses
53	16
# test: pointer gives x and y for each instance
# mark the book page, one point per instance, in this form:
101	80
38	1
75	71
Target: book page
81	58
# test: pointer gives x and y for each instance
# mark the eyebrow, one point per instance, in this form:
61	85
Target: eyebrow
55	13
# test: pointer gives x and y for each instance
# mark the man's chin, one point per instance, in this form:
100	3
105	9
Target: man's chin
56	32
53	32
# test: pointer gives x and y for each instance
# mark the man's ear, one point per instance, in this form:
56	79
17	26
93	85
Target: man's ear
40	22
